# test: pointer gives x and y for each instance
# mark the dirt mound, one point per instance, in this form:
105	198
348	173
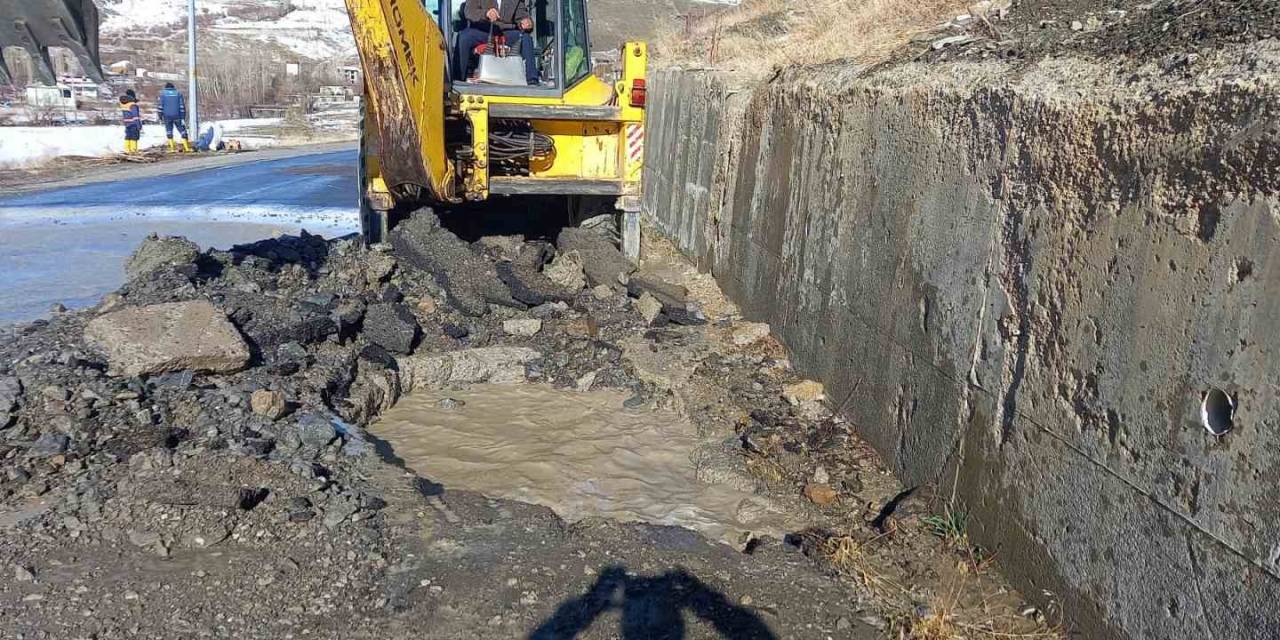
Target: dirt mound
1130	31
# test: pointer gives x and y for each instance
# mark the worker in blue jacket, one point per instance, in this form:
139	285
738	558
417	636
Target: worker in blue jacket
131	117
172	109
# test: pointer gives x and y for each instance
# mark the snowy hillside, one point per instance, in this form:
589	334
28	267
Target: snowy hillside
316	29
319	29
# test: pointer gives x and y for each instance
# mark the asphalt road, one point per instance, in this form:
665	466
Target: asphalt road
68	245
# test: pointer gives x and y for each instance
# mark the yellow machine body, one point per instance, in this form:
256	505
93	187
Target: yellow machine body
427	139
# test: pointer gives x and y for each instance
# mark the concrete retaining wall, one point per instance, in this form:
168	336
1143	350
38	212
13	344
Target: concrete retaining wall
1020	288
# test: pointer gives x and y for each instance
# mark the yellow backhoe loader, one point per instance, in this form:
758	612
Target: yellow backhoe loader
438	134
36	25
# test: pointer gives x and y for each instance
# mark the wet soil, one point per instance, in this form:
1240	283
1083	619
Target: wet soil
581	453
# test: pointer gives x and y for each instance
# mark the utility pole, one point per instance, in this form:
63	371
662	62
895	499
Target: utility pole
193	91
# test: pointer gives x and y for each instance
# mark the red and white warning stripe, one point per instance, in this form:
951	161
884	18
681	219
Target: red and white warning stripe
635	142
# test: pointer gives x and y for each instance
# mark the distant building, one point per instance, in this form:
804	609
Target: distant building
333	97
161	76
82	88
292	68
59	98
352	75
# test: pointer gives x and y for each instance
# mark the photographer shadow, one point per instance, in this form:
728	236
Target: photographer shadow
652	608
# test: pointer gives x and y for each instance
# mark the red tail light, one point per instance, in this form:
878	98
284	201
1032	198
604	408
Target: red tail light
639	93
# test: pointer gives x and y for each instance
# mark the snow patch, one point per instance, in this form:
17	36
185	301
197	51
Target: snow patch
315	29
30	146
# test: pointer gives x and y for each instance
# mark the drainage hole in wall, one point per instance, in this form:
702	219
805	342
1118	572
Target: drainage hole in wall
1217	412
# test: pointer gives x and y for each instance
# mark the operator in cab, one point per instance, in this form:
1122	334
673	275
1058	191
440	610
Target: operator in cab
488	18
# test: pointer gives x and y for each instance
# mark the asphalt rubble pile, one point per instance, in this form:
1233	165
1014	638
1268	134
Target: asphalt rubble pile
219	400
265	352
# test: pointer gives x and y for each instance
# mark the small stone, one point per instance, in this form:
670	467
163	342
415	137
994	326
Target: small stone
1076	25
749	333
585	383
392	327
338	511
549	310
316	430
10	391
323	301
602	292
746	601
843	624
451	404
820	476
427	305
566	270
649	308
378	267
820	494
875	621
50	444
269	404
143	539
523	327
805	391
23	574
455	331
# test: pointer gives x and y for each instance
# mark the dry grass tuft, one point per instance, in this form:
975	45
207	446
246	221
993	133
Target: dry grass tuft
850	557
759	35
947	620
765	468
938	626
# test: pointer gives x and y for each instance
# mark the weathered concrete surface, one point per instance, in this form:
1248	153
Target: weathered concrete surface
1019	287
160	338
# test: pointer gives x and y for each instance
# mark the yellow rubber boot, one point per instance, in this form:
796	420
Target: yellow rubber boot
186	145
129	146
173	146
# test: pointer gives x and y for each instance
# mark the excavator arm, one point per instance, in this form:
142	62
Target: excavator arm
36	25
405	68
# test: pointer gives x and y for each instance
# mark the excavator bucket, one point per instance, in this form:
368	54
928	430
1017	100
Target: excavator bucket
405	63
36	25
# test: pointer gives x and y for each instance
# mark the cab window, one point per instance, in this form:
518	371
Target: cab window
577	48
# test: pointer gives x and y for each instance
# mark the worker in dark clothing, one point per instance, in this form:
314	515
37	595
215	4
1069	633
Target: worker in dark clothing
172	109
486	18
131	116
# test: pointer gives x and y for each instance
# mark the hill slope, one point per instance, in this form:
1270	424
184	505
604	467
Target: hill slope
314	29
319	29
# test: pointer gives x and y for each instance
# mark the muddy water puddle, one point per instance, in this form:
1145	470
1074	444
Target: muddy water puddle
580	454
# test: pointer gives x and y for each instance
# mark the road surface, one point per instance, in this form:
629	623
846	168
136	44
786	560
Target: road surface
68	245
